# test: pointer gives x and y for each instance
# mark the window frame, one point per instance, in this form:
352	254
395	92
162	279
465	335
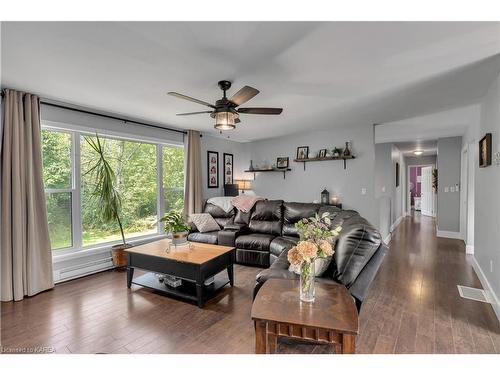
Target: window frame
75	189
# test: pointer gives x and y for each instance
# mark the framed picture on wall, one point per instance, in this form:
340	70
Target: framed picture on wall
485	151
397	174
213	169
228	168
282	162
302	152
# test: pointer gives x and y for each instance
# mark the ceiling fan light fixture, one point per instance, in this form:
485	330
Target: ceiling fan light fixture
418	152
225	120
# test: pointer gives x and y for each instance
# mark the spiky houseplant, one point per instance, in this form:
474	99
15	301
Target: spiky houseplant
108	198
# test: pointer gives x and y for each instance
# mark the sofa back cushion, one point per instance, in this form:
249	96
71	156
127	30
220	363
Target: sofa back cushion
293	212
267	217
354	247
220	216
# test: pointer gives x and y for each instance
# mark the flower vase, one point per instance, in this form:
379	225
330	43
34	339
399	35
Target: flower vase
307	274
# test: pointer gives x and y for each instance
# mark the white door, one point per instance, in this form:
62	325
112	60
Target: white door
426	198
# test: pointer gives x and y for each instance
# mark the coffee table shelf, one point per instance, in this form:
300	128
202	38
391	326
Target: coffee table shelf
187	290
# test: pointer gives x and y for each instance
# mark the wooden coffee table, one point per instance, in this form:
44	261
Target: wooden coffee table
278	312
193	264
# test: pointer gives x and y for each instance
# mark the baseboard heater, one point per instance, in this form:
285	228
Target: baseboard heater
82	269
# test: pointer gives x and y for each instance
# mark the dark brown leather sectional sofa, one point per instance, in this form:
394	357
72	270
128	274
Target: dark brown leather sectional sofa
263	237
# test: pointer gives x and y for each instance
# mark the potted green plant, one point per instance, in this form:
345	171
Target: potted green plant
177	226
108	197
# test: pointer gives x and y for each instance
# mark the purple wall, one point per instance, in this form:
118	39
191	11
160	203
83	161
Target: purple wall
415	192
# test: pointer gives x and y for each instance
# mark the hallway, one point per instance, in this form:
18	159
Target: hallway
414	305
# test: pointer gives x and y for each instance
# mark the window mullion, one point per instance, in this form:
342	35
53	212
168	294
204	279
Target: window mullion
160	199
76	199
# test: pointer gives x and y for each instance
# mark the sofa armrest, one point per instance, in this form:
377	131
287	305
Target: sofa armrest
361	285
227	237
236	227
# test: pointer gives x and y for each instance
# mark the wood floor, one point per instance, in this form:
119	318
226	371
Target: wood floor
413	307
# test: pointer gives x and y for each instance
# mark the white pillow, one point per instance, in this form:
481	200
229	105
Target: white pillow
320	266
204	222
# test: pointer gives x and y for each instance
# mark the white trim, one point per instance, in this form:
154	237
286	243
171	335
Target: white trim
492	297
388	239
396	223
75	254
469	249
121	135
448	234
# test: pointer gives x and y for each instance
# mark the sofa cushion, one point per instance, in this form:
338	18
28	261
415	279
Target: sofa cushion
267	217
220	216
354	247
204	222
254	241
293	212
207	237
279	244
253	257
332	210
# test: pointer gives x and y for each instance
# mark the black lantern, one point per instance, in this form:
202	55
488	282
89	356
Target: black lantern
325	196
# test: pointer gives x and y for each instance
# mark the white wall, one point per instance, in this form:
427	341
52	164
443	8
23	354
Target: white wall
389	196
241	159
305	186
448	198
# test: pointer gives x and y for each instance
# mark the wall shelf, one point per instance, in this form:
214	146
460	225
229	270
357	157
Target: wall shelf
344	158
282	170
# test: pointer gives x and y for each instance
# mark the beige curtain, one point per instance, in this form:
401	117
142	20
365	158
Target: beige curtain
193	189
26	259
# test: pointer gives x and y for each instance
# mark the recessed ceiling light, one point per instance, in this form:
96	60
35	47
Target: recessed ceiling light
418	152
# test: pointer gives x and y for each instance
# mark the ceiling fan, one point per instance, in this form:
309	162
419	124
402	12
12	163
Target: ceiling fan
225	111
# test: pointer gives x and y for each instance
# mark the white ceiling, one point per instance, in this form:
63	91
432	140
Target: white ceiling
323	74
408	148
450	123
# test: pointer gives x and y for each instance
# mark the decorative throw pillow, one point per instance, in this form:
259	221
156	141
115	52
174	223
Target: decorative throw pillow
320	266
204	222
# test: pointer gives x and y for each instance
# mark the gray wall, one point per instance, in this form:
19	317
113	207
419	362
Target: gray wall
487	193
448	165
240	157
305	186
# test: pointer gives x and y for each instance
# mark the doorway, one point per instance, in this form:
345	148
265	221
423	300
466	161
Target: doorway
421	198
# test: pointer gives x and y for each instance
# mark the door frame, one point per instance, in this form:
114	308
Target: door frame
467	233
407	189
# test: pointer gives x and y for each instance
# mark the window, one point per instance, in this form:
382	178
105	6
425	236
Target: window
134	164
57	176
143	172
173	177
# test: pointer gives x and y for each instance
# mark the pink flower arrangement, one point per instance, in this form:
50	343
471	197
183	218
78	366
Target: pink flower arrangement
316	240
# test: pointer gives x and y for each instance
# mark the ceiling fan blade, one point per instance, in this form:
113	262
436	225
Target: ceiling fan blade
192	113
185	97
261	111
244	95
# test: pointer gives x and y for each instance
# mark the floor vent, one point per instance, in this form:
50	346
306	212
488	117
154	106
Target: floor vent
472	293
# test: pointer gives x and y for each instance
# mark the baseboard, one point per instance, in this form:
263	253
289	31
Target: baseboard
396	223
492	297
449	234
387	239
469	249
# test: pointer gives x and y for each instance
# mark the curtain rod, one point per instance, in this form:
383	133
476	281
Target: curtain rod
183	132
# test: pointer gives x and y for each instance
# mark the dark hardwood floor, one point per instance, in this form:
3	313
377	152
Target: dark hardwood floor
413	307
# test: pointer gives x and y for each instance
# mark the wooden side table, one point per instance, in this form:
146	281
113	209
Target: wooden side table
278	312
